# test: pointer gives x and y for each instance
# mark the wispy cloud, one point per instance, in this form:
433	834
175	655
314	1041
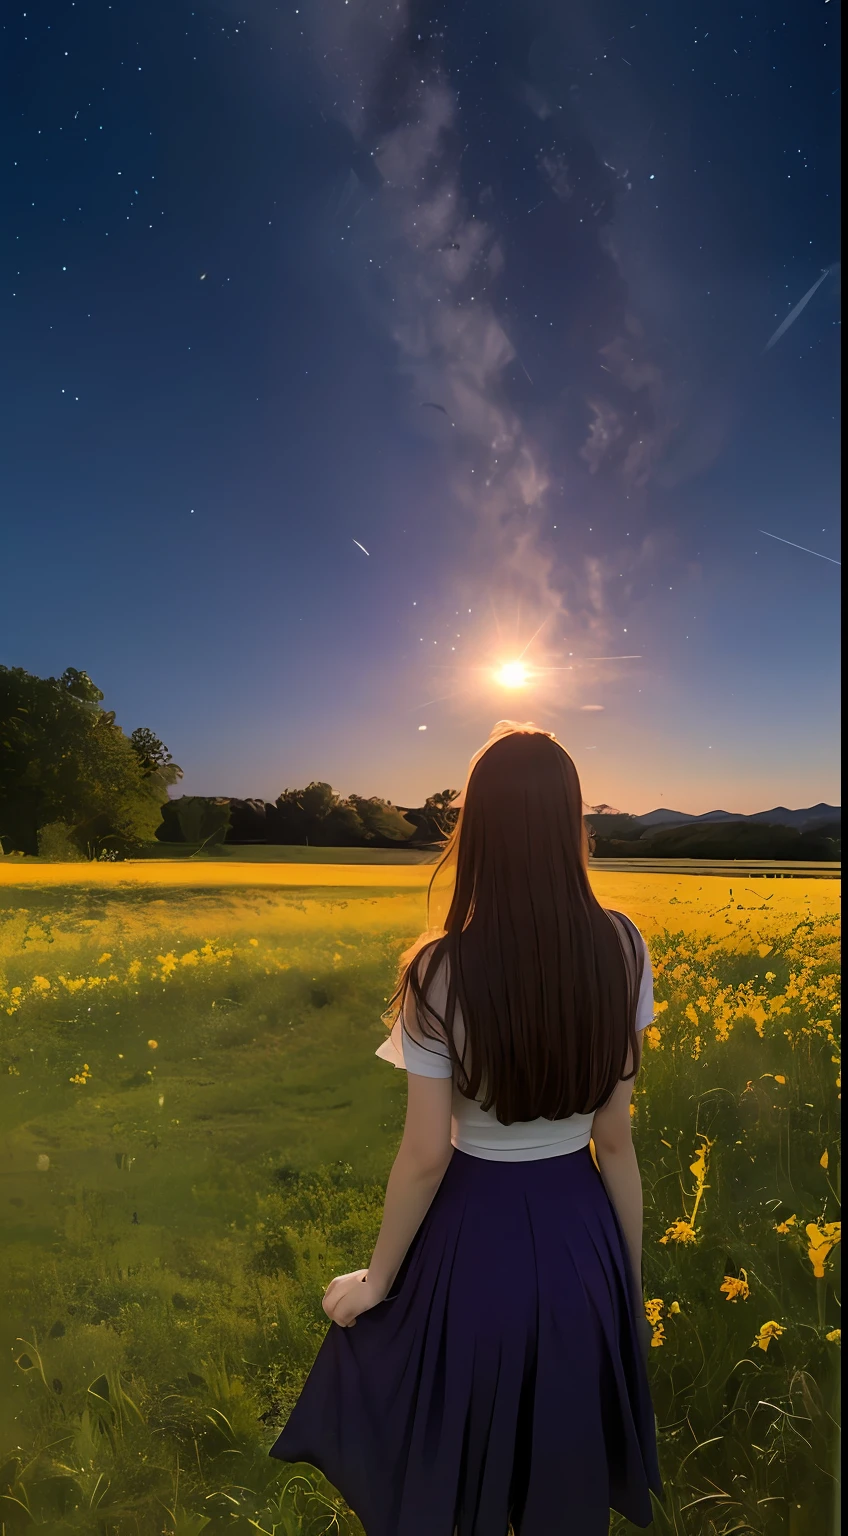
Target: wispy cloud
438	258
440	253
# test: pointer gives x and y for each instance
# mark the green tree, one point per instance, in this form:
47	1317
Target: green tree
80	686
154	756
318	817
202	818
620	826
381	820
441	811
725	840
64	760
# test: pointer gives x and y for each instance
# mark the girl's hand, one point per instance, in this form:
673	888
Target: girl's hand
348	1295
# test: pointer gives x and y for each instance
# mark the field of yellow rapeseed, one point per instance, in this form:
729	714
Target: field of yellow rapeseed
195	1135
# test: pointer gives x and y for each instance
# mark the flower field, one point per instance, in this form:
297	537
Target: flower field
195	1136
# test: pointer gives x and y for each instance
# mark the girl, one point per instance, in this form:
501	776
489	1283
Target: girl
487	1372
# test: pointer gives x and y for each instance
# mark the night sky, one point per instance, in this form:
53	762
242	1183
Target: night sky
248	252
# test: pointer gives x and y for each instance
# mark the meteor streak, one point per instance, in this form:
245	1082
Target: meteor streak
798	546
794	313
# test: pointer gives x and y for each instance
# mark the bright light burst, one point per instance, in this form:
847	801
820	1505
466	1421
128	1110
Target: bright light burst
513	674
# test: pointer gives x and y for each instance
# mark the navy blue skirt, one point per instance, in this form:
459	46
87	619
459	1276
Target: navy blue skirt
501	1381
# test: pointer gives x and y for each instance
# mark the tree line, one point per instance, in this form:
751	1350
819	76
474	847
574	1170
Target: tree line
74	785
624	837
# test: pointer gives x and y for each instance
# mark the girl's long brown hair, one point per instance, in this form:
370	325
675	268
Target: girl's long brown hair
546	979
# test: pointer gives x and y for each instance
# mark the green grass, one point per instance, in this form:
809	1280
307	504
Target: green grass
262	853
279	853
169	1224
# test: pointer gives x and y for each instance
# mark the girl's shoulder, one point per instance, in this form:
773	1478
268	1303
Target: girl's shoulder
637	961
628	922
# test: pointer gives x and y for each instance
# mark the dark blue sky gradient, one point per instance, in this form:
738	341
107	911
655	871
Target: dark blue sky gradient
639	200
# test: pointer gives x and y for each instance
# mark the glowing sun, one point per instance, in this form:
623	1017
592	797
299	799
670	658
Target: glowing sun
513	674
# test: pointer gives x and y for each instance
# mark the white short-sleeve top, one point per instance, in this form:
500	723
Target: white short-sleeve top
478	1131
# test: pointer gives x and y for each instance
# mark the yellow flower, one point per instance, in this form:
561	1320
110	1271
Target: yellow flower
691	1014
680	1232
40	984
736	1289
823	1159
768	1332
653	1309
699	1167
683	1230
757	1012
72	985
835	1336
660	1007
653	1036
784	1226
256	941
779	1078
674	1309
821	1238
104	958
154	1044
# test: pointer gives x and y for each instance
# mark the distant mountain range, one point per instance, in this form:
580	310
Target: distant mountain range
803	820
